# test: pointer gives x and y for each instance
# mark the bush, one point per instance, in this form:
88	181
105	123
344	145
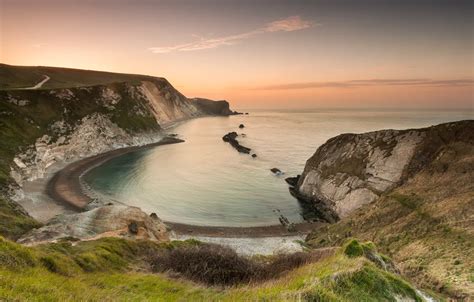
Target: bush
353	249
217	265
210	264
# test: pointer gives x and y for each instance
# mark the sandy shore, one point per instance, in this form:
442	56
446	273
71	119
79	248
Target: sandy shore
65	188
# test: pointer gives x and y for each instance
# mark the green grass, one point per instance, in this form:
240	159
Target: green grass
116	271
13	222
26	76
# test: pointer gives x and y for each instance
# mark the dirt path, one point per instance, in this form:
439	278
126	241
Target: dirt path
46	78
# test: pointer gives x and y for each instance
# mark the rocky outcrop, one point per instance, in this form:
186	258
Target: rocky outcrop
108	221
213	107
231	138
87	120
352	170
94	134
292	181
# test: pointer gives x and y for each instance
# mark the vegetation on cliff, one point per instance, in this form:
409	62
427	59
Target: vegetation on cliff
119	270
426	224
133	104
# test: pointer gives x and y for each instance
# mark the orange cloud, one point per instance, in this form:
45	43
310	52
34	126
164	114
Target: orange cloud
289	24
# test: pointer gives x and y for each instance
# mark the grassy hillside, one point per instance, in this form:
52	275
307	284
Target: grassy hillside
426	225
118	270
12	77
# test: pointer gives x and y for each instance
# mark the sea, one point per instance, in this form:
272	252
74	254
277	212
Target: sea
204	181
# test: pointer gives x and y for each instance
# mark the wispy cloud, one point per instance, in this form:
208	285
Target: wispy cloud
370	82
285	25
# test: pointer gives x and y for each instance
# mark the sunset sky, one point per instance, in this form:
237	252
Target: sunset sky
260	54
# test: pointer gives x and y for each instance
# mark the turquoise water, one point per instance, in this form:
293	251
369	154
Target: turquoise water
204	181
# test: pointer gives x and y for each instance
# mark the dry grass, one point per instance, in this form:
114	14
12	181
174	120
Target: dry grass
217	265
426	225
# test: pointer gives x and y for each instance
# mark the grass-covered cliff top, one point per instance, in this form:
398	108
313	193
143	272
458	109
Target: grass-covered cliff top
119	270
426	224
26	115
14	77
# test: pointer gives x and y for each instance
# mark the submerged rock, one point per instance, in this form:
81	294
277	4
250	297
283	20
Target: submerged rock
254	155
107	221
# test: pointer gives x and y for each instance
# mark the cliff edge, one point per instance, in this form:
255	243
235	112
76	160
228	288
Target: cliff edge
351	170
411	192
53	115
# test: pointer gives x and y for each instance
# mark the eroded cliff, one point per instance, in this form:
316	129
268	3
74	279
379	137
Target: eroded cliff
80	113
352	170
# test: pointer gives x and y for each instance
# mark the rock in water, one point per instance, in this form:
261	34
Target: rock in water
254	155
292	181
290	227
231	138
241	126
276	171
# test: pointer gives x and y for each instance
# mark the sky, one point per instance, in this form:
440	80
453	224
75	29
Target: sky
260	54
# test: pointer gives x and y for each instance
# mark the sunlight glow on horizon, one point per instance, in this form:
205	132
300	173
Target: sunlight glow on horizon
291	55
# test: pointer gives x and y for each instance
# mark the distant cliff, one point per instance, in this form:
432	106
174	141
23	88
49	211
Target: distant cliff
351	170
213	107
42	126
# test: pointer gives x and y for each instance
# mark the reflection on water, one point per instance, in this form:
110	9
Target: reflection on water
205	182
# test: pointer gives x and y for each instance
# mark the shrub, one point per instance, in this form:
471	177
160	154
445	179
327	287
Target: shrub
353	248
207	263
217	265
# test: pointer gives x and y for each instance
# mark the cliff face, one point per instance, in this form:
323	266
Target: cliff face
213	107
50	115
352	170
426	223
43	126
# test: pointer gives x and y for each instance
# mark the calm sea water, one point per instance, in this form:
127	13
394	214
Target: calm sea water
204	181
